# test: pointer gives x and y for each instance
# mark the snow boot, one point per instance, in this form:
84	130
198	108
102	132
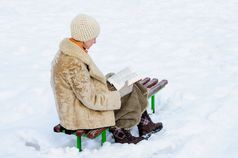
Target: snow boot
124	136
147	126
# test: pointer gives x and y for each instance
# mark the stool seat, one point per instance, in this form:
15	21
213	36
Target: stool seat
92	134
58	128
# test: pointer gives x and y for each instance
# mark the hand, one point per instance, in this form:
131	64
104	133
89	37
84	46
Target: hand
111	87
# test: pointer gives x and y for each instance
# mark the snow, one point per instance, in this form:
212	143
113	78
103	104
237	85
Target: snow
192	43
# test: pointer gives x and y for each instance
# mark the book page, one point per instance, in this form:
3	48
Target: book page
123	78
117	81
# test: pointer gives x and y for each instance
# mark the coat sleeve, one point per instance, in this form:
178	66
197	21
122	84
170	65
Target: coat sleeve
79	80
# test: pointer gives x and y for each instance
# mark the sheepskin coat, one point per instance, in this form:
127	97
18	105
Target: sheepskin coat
83	100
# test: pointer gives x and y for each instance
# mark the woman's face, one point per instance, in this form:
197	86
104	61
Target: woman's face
89	43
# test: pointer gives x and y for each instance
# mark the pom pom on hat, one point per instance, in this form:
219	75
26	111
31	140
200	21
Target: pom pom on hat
84	28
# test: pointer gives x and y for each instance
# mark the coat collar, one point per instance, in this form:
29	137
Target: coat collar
80	44
71	49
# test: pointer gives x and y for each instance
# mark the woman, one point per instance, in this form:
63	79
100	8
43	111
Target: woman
83	99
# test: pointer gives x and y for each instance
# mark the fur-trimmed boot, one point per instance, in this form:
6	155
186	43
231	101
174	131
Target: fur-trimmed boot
146	126
124	136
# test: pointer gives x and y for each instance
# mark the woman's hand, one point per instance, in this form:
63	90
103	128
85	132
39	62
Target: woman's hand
111	87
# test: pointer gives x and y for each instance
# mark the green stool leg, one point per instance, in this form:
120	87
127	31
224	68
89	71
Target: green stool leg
104	137
153	103
79	146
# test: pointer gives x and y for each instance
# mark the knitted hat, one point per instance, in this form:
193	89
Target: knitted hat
84	28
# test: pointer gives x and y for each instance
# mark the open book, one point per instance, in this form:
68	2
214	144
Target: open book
124	79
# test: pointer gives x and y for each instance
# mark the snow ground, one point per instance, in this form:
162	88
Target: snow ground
192	43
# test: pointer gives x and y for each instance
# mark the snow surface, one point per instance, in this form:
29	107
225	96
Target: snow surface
192	43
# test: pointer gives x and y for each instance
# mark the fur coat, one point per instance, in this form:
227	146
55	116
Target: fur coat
83	100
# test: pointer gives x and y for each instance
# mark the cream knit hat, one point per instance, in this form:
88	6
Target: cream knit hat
84	28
